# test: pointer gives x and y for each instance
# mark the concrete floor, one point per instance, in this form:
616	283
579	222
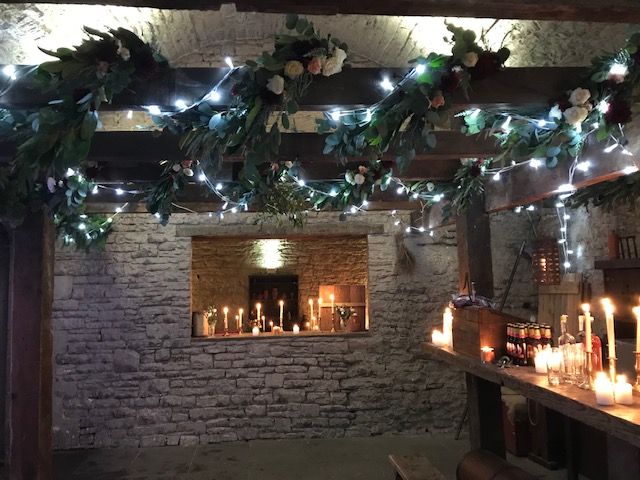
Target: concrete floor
326	459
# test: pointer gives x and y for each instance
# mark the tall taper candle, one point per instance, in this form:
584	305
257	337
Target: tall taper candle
281	302
240	312
258	308
586	308
332	297
264	324
636	312
226	321
311	308
611	335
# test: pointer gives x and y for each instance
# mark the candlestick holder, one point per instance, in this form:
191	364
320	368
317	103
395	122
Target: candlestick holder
612	369
637	384
589	374
226	332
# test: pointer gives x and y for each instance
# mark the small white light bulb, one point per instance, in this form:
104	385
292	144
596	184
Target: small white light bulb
386	84
333	192
335	116
228	61
214	95
353	209
94	190
496	176
301	182
584	166
181	104
10	71
202	177
218	186
630	169
82	226
421	68
535	163
119	191
154	109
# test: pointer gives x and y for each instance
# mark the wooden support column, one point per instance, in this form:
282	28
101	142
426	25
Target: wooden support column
484	401
474	249
29	349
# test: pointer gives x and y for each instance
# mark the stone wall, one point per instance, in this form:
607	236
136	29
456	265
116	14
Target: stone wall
221	267
128	373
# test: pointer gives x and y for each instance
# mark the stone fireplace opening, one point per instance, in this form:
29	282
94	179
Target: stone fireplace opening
281	286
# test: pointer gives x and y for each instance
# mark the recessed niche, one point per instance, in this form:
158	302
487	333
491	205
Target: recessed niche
309	281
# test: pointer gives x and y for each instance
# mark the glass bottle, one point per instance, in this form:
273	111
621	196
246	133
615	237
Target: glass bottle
566	343
522	342
580	334
596	349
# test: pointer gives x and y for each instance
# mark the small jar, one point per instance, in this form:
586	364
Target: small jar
554	367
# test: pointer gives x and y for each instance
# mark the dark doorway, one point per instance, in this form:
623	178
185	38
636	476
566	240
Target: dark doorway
269	290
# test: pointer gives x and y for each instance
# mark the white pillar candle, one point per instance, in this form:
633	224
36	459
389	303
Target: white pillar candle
255	331
540	360
636	312
311	308
281	302
438	338
238	322
623	391
225	310
258	308
611	336
586	308
604	389
332	297
296	329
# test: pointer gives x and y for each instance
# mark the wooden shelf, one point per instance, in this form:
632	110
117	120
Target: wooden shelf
617	264
620	421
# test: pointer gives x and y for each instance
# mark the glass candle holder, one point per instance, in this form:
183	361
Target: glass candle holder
487	355
554	367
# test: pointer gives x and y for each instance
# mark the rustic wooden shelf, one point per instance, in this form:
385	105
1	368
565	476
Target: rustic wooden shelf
287	335
619	421
618	263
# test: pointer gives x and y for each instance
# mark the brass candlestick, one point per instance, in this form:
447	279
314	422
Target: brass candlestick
612	369
637	385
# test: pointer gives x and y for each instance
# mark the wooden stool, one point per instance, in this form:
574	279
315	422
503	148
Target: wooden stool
414	467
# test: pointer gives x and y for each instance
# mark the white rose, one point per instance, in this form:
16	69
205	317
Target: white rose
123	52
276	84
430	186
359	179
579	96
555	112
293	69
333	65
176	167
575	115
288	164
470	59
188	172
51	184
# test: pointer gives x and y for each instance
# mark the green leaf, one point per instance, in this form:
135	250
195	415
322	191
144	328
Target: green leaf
88	127
285	120
291	21
257	106
301	25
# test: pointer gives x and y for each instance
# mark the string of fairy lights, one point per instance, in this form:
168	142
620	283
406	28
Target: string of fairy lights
230	206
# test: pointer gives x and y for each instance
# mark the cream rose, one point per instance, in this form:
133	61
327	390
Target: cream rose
575	115
123	52
358	178
293	69
276	84
470	59
579	96
333	65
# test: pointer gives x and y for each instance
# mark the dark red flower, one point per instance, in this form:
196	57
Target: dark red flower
475	170
450	83
488	64
619	112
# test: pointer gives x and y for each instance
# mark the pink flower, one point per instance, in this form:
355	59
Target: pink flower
315	65
362	169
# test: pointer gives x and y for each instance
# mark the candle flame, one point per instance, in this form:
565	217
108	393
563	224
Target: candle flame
258	305
621	378
225	310
319	301
241	311
586	308
311	301
487	349
636	312
607	305
281	302
332	297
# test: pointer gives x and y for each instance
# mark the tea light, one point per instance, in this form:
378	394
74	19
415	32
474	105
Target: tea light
604	389
439	339
541	359
296	329
623	391
487	355
255	331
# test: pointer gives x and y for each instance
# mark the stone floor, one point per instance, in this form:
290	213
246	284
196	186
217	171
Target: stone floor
326	459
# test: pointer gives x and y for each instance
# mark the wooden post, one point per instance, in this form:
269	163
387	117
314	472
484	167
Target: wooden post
5	243
474	249
484	400
29	349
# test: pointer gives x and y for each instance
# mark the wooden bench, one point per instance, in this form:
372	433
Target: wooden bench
414	467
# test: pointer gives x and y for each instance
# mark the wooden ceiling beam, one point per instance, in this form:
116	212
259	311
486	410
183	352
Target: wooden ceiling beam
614	11
354	87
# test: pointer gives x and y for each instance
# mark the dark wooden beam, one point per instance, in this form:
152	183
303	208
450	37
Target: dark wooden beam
30	348
615	11
484	401
523	185
353	87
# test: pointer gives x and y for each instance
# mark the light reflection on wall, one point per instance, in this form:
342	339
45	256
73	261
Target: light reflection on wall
270	253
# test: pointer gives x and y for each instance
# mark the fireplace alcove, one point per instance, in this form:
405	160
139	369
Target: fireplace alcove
242	272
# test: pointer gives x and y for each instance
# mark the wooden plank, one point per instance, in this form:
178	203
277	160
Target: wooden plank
30	348
415	467
620	421
474	250
484	400
354	87
525	185
616	11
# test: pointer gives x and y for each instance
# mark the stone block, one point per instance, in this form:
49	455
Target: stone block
126	361
274	380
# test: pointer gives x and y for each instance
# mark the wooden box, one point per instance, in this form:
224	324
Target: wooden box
476	327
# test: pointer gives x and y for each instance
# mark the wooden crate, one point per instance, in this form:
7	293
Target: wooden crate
354	296
561	299
476	327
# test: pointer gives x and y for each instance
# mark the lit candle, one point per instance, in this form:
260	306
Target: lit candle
447	326
636	312
541	359
238	322
264	324
240	312
623	391
296	329
332	298
487	355
586	308
271	325
258	307
310	308
604	389
226	322
281	302
255	331
611	336
438	338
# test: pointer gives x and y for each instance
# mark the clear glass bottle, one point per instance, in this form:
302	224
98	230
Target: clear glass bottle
566	343
580	334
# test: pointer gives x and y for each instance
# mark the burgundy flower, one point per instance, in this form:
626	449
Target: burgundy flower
451	82
475	170
488	64
619	112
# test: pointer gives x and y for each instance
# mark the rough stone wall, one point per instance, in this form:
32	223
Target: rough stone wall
128	373
221	268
